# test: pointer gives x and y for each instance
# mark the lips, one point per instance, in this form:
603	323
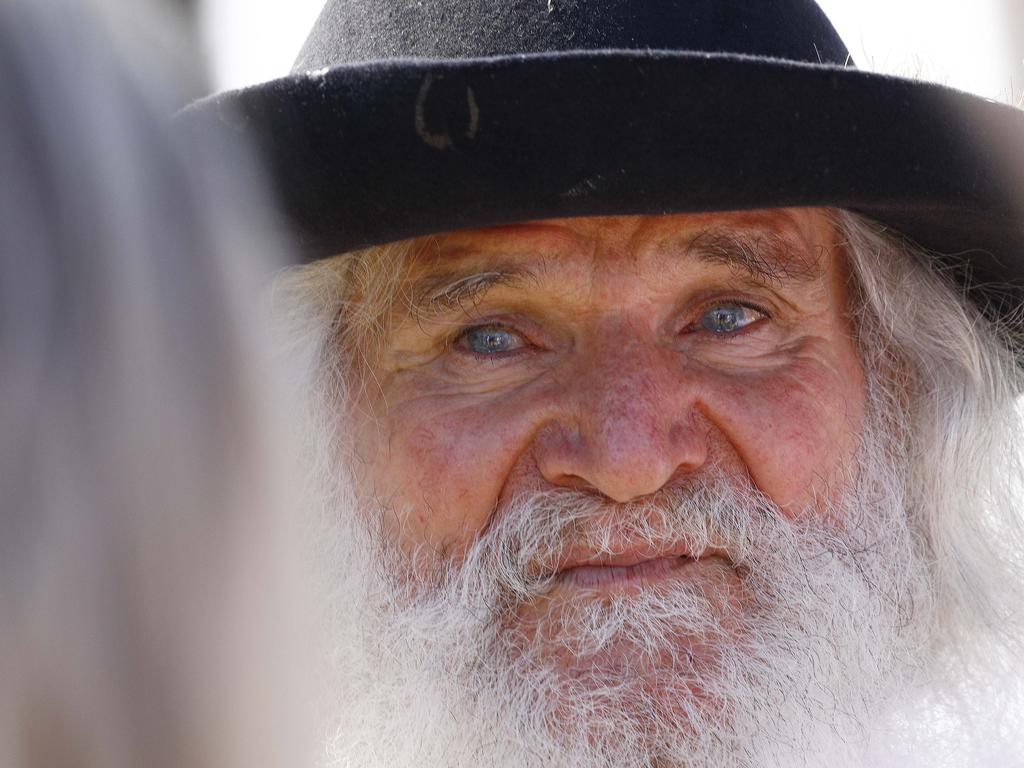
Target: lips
631	565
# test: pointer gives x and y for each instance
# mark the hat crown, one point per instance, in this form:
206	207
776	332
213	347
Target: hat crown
366	30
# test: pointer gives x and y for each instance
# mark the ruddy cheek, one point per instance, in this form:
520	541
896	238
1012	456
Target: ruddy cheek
446	470
796	435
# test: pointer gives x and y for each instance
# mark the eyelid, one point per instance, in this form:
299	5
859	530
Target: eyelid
720	301
729	302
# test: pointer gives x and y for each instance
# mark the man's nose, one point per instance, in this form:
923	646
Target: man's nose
628	425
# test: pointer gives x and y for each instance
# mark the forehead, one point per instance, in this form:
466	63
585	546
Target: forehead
767	246
792	234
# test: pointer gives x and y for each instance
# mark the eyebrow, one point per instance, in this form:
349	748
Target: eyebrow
765	257
441	293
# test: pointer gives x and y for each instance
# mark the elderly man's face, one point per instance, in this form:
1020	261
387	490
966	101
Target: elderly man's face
617	356
630	471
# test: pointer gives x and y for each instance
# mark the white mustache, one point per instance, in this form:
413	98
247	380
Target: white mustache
534	536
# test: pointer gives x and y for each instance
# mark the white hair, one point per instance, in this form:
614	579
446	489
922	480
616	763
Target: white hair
960	381
954	353
942	444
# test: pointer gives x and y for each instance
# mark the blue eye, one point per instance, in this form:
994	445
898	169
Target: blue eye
490	340
729	318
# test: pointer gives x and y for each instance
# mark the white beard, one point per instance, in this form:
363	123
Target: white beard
431	668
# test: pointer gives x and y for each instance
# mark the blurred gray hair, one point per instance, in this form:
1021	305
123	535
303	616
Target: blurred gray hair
145	574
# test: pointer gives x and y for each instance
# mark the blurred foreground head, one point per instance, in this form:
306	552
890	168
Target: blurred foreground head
144	547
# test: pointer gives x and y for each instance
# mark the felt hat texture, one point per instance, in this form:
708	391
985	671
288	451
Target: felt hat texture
407	117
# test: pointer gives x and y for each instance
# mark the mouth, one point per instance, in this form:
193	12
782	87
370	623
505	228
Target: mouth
635	568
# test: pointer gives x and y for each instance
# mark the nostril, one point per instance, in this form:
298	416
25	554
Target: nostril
573	483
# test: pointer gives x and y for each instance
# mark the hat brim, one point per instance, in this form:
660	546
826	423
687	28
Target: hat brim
380	151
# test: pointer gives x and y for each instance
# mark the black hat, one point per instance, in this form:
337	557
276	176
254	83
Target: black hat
405	117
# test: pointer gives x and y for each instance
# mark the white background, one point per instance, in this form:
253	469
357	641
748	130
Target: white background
967	44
